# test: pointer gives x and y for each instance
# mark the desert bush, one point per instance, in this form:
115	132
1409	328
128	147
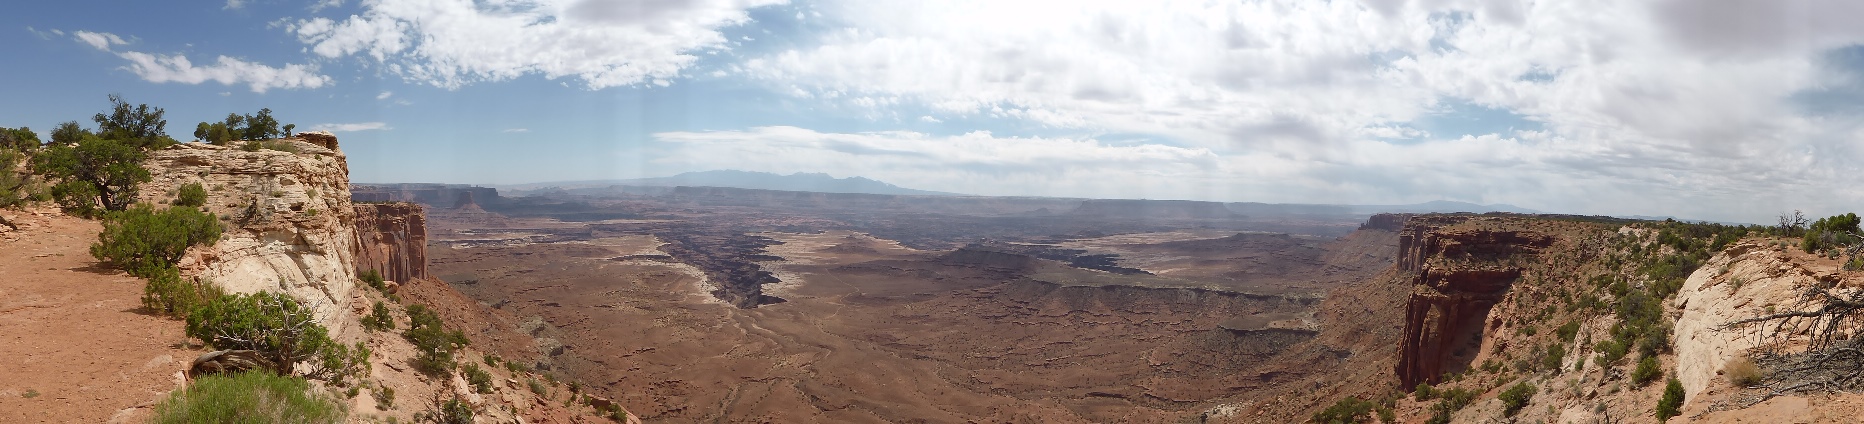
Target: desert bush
94	175
1424	392
1567	331
537	387
378	318
15	188
143	240
373	279
1347	411
384	397
282	331
279	145
169	294
481	381
249	397
1516	397
1555	355
191	195
1742	371
1672	400
435	343
1647	370
451	411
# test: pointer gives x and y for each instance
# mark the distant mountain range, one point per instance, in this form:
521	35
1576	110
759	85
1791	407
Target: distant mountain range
801	181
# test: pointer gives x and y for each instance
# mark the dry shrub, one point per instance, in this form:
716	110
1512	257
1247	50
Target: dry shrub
1742	371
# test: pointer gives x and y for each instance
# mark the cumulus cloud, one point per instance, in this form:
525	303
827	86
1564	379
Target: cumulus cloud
603	43
517	130
160	68
385	95
359	126
1665	106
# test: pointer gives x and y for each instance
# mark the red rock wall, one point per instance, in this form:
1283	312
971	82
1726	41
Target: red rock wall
391	238
1457	275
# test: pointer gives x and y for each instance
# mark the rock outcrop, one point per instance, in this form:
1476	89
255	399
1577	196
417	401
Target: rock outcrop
391	239
290	224
1457	275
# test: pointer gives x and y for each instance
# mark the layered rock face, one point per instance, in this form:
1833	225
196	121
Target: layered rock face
391	238
1456	275
290	224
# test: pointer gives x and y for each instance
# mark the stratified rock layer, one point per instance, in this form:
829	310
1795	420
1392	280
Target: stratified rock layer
290	225
391	238
1456	277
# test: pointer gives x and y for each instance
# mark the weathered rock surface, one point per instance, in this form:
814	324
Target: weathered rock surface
1456	277
290	224
1741	282
391	238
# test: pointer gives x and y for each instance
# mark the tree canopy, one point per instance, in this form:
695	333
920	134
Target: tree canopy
259	126
96	172
21	139
140	126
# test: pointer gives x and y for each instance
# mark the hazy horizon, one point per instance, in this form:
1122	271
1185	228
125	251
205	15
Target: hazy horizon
1721	110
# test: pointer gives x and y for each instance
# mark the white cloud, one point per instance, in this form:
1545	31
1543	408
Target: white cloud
1666	106
99	40
517	130
385	95
359	126
235	4
451	43
160	68
225	70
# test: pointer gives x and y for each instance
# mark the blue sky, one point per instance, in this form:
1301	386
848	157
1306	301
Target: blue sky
1724	109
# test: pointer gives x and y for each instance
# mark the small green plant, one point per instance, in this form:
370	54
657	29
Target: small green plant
537	387
435	343
191	195
1555	355
1646	371
378	319
451	411
253	396
1743	372
374	279
30	393
1350	410
1672	400
1424	392
481	381
1516	397
1567	331
143	240
384	397
282	331
492	360
169	294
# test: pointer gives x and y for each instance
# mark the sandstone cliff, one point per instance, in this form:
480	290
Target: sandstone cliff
1457	275
290	224
391	238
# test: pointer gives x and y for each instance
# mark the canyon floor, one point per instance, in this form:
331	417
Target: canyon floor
769	312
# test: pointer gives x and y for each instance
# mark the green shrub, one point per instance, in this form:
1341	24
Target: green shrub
481	381
1647	369
1567	331
169	294
1555	355
537	387
281	330
452	411
1672	400
1347	411
1424	392
95	175
250	397
435	343
1516	397
378	318
14	187
491	360
142	240
191	195
373	279
279	145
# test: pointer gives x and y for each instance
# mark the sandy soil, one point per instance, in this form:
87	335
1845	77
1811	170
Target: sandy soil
75	342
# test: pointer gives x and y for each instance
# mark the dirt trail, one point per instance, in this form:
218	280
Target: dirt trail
75	345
